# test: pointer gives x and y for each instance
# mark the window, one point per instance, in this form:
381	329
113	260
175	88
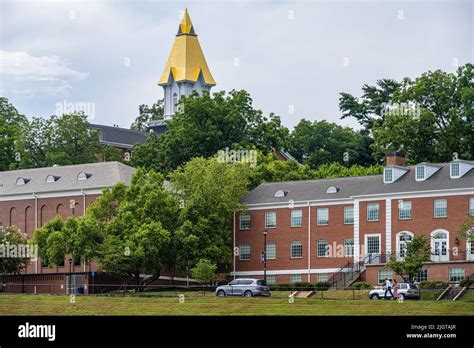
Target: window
373	244
403	238
440	208
373	212
244	252
404	210
271	251
422	276
271	279
270	219
348	215
295	278
245	221
348	247
332	189
471	206
455	170
384	274
83	176
296	250
1	230
51	179
323	216
21	181
175	102
420	173
388	175
439	245
456	274
281	193
323	277
296	218
322	248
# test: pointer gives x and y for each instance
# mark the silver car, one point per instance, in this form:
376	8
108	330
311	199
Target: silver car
244	287
405	291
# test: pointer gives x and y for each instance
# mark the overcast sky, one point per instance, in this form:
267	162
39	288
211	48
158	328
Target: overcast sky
290	55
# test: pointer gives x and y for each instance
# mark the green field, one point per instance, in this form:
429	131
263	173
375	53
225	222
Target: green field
197	304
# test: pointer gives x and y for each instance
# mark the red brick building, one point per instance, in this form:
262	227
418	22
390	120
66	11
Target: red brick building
343	229
29	198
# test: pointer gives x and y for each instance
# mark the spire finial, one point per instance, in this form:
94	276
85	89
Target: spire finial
186	26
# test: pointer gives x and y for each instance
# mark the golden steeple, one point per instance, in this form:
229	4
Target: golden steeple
186	60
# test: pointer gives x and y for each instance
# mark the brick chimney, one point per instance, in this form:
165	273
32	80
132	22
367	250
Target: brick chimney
395	159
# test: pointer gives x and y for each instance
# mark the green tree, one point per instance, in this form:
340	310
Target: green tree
11	122
417	252
14	263
147	114
210	193
320	142
62	140
204	271
204	125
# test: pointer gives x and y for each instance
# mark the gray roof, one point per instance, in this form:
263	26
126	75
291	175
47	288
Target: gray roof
120	137
356	186
104	174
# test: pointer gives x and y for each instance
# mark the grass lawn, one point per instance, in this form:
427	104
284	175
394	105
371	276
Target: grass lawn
209	305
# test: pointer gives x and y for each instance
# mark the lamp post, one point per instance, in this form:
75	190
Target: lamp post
264	255
70	274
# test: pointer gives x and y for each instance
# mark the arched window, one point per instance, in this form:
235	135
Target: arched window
29	221
51	179
440	245
175	102
332	189
12	216
403	238
281	193
21	181
43	215
83	176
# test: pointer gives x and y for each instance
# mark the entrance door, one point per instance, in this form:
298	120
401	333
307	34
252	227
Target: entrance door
439	247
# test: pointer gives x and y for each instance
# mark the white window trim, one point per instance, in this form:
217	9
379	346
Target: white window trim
424	173
344	216
469	256
378	219
411	211
240	252
291	249
366	246
317	247
384	175
451	171
434	208
433	233
291	218
397	242
240	222
317	216
266	253
270	211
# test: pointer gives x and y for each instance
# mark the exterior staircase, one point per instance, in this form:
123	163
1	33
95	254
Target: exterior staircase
452	293
346	275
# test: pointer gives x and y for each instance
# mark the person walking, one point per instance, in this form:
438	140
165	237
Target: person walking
395	289
388	288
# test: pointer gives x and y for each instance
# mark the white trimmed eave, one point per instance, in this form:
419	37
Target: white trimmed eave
52	194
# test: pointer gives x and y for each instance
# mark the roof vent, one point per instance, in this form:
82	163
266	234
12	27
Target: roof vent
52	178
281	193
332	189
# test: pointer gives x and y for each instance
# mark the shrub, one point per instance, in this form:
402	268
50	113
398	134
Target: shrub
466	282
361	286
322	285
437	284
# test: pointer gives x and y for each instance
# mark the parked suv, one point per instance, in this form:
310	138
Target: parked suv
244	287
405	291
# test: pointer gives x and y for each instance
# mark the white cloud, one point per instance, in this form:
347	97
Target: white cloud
39	76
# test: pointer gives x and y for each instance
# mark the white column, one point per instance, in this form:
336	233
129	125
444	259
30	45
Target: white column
388	225
356	231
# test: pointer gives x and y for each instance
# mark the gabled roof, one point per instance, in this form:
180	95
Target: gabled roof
305	190
100	175
119	137
186	61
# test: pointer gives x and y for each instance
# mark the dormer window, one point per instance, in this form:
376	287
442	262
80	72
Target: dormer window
51	179
332	189
21	181
388	175
420	173
281	193
83	176
455	170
